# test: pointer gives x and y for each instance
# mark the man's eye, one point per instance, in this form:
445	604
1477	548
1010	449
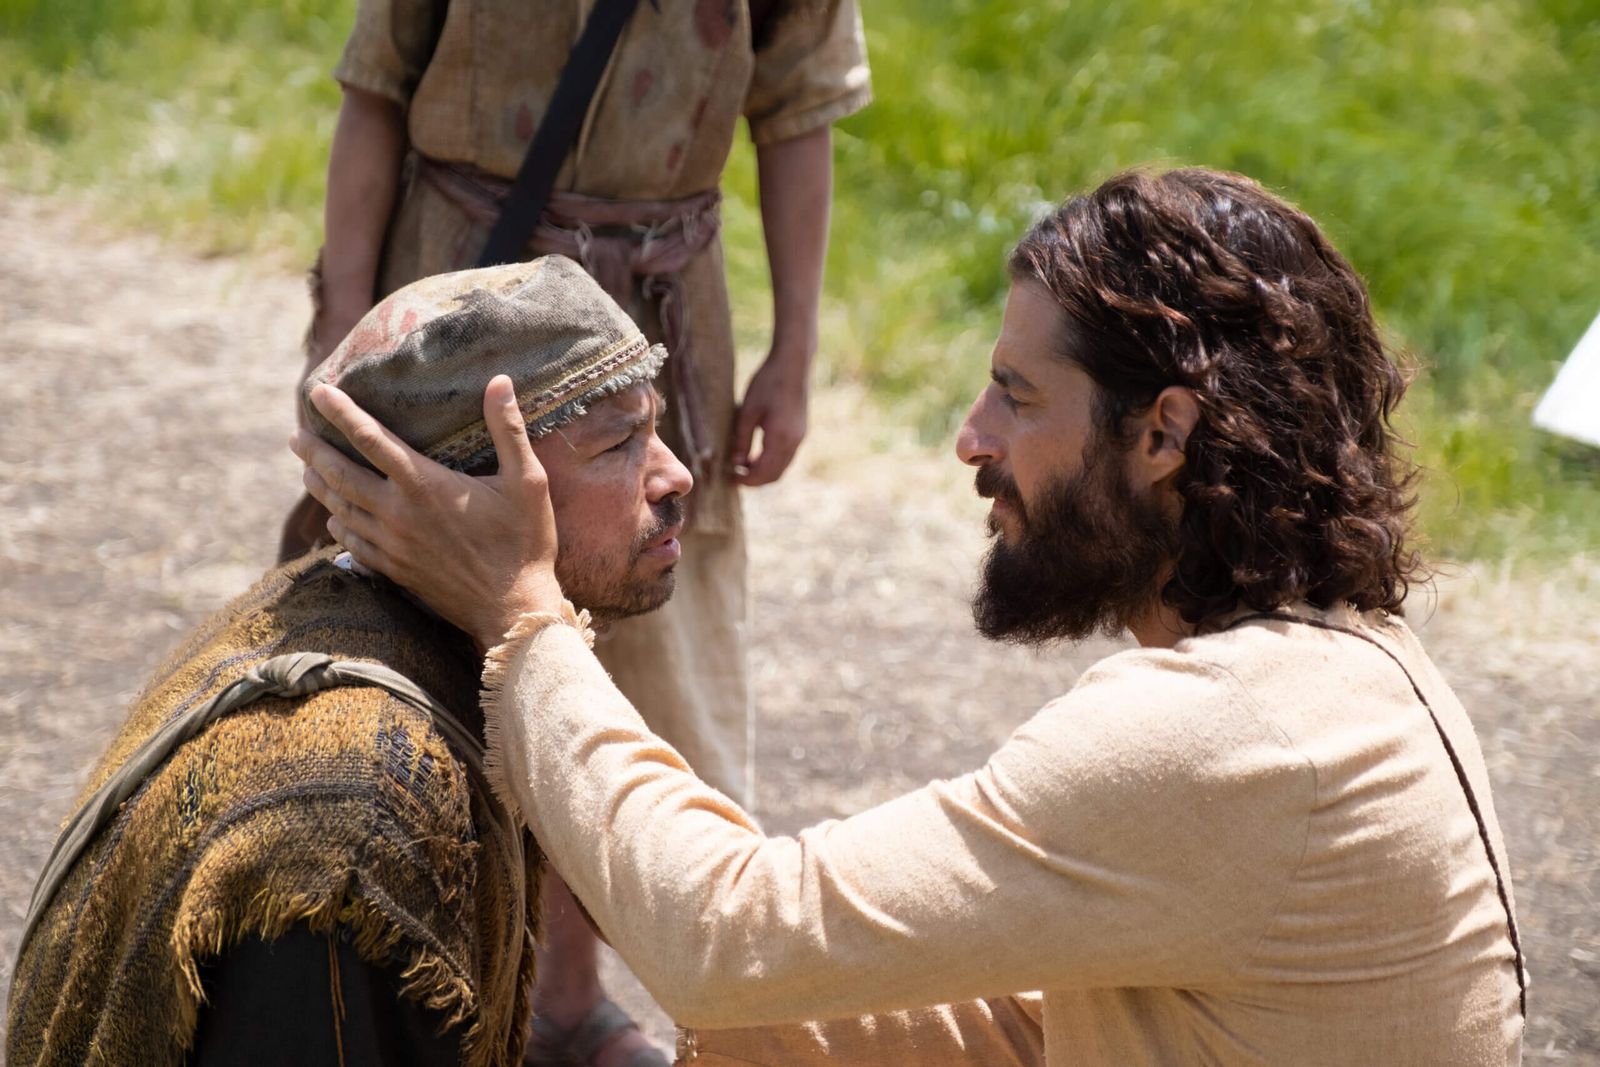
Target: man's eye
622	445
1011	402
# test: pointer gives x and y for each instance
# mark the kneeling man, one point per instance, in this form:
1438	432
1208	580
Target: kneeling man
291	853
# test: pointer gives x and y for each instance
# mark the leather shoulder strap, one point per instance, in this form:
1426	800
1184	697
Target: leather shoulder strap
1455	763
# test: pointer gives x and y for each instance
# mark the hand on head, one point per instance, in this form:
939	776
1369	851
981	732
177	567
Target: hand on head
479	551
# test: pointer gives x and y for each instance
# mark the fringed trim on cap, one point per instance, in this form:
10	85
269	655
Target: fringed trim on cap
629	362
647	367
496	666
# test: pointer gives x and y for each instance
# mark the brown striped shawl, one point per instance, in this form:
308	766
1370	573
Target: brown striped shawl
341	808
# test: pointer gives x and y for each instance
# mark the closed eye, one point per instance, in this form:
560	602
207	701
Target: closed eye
1004	380
635	430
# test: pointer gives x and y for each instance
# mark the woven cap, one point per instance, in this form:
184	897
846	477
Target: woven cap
419	361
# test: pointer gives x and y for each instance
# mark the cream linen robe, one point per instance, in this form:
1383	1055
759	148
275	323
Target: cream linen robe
1249	849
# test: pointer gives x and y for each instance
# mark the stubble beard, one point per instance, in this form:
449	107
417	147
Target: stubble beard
609	595
1090	558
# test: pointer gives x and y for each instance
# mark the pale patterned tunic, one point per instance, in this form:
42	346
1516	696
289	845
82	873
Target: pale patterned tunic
475	77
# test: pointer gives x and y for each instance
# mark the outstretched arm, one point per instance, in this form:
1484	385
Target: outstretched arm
997	1032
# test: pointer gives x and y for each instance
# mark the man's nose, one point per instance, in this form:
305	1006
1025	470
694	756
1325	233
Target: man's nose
975	445
668	475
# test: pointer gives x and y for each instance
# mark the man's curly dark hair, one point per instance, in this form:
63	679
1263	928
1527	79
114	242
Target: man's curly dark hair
1292	489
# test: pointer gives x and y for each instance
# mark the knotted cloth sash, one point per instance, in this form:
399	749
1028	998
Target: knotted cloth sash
617	241
297	674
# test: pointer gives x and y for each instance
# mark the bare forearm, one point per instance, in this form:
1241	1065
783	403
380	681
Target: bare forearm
796	184
363	179
796	178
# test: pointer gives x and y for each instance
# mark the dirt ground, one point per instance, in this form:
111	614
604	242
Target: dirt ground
145	404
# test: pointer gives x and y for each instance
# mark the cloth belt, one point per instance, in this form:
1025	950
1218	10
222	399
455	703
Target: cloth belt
617	241
297	674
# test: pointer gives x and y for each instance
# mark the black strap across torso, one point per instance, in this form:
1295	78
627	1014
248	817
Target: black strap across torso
553	140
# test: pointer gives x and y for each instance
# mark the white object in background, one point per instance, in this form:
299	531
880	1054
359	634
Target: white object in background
1571	406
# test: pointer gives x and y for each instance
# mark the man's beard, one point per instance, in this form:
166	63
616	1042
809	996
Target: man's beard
1091	556
623	594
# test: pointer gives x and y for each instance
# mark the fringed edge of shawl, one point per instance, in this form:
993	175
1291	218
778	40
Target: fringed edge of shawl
527	973
497	665
427	979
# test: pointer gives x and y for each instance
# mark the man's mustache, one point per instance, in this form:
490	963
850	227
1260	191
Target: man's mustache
668	513
991	483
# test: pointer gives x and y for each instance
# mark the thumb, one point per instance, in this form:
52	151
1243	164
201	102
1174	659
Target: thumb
508	430
744	431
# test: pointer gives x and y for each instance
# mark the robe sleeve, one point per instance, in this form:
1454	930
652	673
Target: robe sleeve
390	46
1140	830
810	71
999	1032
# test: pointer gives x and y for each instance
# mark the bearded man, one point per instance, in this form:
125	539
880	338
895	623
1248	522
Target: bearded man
292	853
1264	836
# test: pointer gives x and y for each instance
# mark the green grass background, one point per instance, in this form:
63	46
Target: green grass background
1451	149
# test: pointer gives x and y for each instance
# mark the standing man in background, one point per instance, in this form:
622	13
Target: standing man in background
440	103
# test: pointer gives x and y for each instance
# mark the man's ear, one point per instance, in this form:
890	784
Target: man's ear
1164	432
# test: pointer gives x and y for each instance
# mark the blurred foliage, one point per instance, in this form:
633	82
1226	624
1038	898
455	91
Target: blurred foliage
208	117
1449	148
